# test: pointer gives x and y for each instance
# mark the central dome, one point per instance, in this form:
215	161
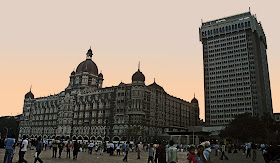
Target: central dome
87	66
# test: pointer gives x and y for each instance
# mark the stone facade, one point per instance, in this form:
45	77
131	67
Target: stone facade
87	111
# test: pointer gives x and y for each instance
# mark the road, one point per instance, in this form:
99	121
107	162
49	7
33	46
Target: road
83	157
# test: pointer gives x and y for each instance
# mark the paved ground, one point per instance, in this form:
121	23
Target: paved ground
83	157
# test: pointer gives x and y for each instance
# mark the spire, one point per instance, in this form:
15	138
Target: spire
154	80
194	95
139	66
30	88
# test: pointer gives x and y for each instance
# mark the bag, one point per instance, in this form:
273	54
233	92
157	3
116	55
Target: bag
81	150
36	155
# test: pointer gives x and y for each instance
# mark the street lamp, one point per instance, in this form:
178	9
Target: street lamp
7	130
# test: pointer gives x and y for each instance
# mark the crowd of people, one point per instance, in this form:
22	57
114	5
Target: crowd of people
161	152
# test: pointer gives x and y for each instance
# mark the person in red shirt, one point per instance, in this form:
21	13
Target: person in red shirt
192	157
68	146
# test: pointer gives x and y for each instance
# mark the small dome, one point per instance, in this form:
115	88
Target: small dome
29	95
138	76
121	84
194	100
87	66
100	75
73	73
156	86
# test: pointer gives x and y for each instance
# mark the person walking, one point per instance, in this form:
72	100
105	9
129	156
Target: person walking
192	156
68	147
9	149
254	149
151	153
126	151
123	148
199	156
39	149
119	149
45	144
223	148
83	147
156	152
249	146
139	146
162	152
172	153
14	151
101	148
76	150
23	149
216	149
86	147
111	149
90	147
207	151
60	148
96	148
54	146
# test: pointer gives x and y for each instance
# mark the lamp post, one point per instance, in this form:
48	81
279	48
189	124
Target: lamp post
7	130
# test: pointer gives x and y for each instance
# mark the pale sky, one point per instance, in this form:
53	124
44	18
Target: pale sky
41	42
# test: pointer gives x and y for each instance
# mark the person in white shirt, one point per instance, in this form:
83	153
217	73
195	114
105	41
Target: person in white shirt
151	153
248	150
111	149
262	147
90	147
118	149
207	151
216	149
139	147
23	149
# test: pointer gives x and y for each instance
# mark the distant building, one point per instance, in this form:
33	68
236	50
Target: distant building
85	110
277	117
236	76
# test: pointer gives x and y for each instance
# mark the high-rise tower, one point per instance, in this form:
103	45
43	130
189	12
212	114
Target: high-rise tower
236	77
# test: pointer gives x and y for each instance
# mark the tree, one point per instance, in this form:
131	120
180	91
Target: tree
244	127
271	128
135	131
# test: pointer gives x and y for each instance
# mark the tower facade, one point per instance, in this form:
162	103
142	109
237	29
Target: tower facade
236	76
